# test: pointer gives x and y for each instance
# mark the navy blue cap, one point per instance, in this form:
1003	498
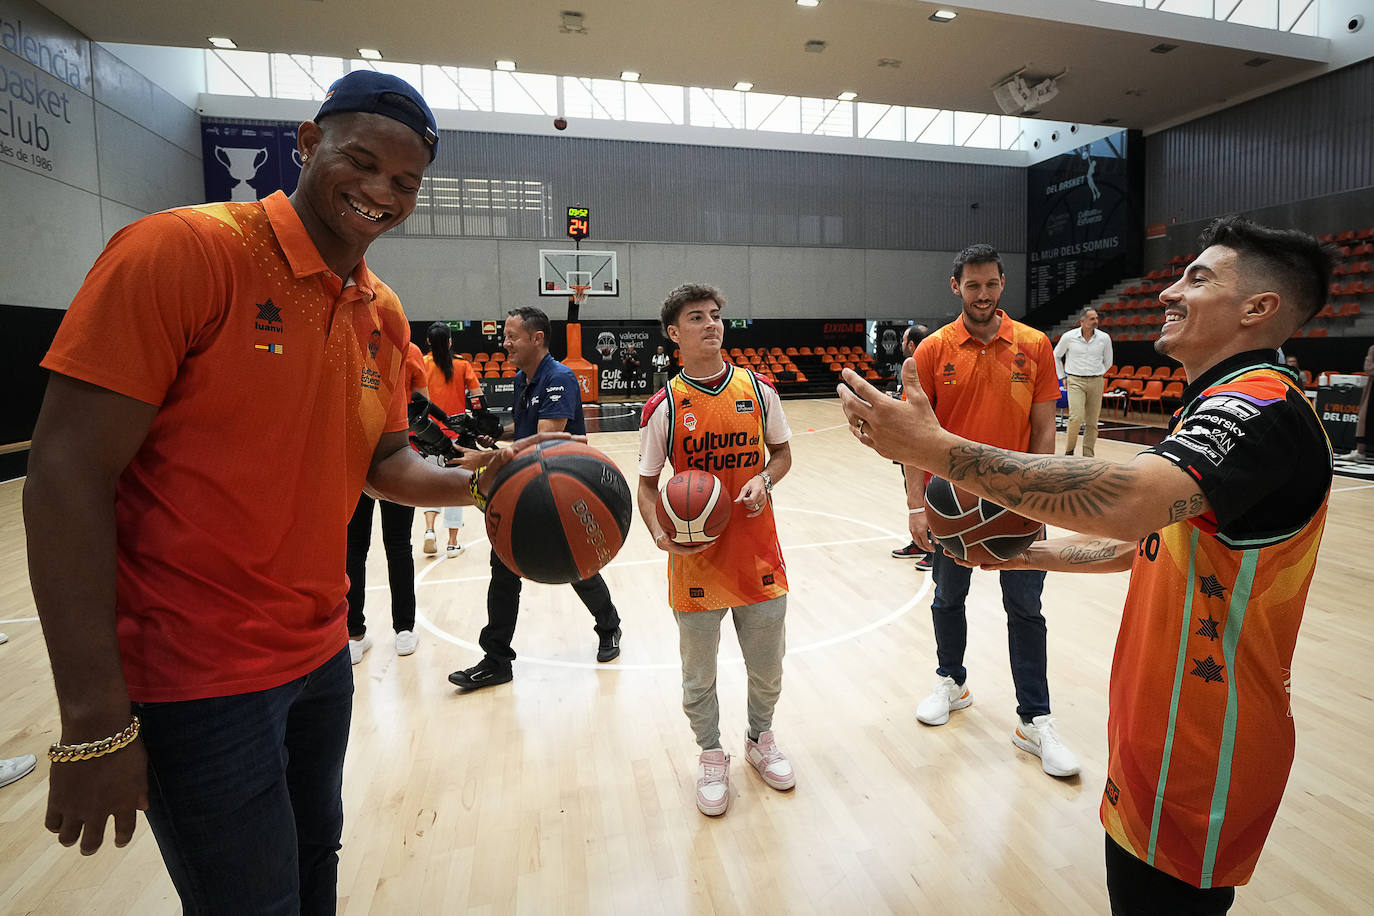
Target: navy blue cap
377	93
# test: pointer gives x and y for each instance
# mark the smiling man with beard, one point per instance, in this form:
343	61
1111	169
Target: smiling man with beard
197	632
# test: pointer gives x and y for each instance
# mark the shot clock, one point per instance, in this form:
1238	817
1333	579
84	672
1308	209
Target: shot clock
579	222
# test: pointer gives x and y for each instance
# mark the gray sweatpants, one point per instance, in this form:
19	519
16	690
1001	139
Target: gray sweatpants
762	635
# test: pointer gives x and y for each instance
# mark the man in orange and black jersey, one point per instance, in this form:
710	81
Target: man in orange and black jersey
1220	525
726	420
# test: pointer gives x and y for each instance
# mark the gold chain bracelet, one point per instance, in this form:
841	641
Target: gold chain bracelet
69	753
478	500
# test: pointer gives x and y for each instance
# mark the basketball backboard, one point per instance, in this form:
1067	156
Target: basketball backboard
562	268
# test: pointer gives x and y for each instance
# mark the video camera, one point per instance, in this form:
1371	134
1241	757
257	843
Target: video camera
434	433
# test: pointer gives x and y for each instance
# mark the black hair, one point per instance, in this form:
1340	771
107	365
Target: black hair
441	348
915	333
1295	261
683	296
532	319
977	254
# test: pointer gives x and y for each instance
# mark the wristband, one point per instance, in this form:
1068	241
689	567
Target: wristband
478	499
70	753
916	511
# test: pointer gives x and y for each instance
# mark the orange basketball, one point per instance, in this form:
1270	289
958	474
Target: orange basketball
693	508
558	512
973	529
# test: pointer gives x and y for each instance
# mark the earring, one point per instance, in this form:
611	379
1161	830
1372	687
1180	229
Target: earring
305	159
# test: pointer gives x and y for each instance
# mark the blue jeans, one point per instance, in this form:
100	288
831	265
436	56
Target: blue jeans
1025	630
244	794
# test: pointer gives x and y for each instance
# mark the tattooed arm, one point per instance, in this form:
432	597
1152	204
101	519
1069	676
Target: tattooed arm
1080	553
1122	501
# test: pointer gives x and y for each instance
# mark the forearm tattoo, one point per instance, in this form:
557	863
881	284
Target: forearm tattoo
1084	488
1094	551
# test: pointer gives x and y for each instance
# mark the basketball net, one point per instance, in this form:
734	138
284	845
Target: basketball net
579	292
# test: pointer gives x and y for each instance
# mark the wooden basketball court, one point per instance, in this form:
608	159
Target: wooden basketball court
570	790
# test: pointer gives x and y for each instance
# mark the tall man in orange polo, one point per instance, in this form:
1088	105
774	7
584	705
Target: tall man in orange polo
992	380
215	464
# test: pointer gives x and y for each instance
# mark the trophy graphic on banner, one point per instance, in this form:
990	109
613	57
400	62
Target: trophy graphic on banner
243	164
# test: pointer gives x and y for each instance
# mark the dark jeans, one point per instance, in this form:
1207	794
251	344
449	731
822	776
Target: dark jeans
503	606
1025	630
244	793
400	563
1137	889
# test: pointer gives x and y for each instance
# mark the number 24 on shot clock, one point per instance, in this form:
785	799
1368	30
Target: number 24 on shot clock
579	222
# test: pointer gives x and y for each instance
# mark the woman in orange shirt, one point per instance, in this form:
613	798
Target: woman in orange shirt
451	381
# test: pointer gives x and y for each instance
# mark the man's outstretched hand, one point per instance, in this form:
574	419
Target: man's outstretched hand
904	431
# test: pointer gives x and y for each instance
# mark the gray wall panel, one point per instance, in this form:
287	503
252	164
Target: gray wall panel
140	169
661	268
805	283
51	238
1306	141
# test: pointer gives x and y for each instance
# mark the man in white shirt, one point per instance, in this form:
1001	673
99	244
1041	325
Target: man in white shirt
1086	354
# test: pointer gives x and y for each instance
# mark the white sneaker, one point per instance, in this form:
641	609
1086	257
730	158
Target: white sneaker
765	756
3	639
16	768
406	641
453	550
357	647
1041	739
947	695
431	543
713	782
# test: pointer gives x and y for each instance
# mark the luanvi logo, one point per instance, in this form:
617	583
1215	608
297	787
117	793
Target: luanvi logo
269	318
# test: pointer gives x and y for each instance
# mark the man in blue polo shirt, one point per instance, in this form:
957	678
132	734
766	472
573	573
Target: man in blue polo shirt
547	398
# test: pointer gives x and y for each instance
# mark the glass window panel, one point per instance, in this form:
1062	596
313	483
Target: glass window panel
440	87
656	104
1262	13
609	96
474	89
253	68
941	129
525	93
221	79
827	117
1011	132
982	133
917	120
300	76
716	107
1201	8
1307	24
772	112
880	122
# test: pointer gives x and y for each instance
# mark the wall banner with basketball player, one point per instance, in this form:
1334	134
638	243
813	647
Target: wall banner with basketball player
1084	210
248	160
621	352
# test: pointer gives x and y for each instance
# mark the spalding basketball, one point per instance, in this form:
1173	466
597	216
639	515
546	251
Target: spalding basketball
693	508
974	529
558	512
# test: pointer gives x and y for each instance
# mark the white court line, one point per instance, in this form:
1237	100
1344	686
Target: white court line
1363	486
887	618
20	620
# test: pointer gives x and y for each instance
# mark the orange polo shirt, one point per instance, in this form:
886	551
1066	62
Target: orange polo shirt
274	382
984	392
451	395
415	370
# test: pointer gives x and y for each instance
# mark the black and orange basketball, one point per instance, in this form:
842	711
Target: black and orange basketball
693	507
973	529
558	512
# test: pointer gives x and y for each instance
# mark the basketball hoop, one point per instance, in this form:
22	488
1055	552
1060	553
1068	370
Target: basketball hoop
579	292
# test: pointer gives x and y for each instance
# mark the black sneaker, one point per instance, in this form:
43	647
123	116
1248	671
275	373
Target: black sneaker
486	673
609	648
907	552
925	562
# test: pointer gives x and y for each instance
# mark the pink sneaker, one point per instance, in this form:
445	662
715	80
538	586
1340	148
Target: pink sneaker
765	756
713	782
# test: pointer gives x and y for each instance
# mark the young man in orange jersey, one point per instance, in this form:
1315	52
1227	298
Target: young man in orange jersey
215	463
685	424
991	379
1219	525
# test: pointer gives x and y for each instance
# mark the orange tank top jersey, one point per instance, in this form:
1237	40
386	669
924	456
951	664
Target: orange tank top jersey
1200	732
984	392
721	431
451	395
274	382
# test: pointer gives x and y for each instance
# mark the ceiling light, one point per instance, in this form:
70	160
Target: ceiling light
742	86
630	76
808	2
943	16
369	54
505	65
847	96
225	43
